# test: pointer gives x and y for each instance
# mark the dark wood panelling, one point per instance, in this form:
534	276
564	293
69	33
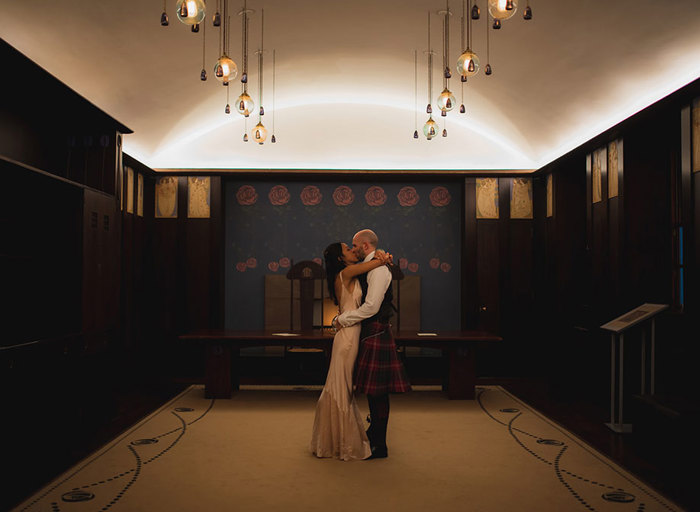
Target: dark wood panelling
101	269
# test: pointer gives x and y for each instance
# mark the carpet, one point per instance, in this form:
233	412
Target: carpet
251	453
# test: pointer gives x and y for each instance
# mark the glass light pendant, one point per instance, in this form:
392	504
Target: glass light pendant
244	104
259	133
225	69
502	9
430	129
446	100
190	12
468	63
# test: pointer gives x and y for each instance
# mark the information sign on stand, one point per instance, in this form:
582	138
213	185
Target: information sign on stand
617	327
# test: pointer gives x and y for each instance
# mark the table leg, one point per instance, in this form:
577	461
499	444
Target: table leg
461	379
217	373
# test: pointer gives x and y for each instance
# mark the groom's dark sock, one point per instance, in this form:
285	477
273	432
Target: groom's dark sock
379	411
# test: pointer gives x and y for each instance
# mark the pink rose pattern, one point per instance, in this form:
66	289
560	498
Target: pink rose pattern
375	196
246	195
440	196
311	195
408	196
279	195
343	196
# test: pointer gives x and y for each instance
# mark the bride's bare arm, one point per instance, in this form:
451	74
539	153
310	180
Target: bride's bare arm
380	258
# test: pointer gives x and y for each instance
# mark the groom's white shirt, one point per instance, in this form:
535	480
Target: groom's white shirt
378	281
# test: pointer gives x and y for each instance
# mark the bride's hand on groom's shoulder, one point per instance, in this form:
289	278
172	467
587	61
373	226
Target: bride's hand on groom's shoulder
384	257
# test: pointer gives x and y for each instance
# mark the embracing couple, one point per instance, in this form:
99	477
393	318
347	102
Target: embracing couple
364	355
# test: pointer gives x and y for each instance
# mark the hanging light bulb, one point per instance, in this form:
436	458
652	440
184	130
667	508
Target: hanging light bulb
164	19
502	9
190	12
203	75
415	134
217	19
245	137
429	109
430	128
244	104
227	109
462	109
195	28
273	139
225	69
488	69
468	63
444	132
446	100
496	24
259	133
476	12
527	15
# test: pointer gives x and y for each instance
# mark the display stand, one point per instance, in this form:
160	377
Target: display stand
643	313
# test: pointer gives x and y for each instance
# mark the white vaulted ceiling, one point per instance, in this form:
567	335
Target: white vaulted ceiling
345	86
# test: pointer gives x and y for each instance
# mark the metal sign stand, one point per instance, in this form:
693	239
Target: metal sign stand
617	338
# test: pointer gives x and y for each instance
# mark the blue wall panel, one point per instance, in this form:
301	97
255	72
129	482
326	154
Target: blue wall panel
269	225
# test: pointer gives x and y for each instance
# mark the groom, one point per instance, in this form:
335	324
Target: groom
378	370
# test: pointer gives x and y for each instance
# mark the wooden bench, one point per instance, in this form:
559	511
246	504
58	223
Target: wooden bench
223	354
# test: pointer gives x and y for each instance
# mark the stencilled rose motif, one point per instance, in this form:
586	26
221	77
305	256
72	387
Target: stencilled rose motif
445	267
311	195
375	196
403	263
413	267
285	262
274	266
246	195
440	196
408	196
278	195
343	196
251	263
241	266
434	262
318	261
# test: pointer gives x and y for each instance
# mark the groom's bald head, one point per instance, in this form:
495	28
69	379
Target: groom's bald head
364	242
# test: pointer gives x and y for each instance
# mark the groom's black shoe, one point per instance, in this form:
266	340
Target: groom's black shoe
379	452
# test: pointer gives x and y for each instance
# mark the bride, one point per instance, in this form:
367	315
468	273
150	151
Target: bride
338	428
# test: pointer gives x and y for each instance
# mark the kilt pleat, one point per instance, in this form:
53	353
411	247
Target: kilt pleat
378	369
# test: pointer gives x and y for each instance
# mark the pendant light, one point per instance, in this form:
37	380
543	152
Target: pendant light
244	103
259	131
190	12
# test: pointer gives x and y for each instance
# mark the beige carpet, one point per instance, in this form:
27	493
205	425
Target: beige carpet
250	453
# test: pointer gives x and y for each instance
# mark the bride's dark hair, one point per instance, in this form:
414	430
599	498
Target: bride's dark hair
334	265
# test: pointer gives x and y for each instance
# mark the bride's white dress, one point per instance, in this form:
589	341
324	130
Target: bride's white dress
338	427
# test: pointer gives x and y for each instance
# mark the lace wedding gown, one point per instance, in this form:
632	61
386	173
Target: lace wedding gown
338	427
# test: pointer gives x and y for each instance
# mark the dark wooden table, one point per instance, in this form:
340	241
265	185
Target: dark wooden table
223	351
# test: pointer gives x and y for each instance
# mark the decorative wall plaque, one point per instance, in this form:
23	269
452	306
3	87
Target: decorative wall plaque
614	167
696	135
199	196
521	198
550	196
487	198
129	190
166	198
599	166
139	196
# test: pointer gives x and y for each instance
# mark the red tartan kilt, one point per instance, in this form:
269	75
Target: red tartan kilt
378	369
